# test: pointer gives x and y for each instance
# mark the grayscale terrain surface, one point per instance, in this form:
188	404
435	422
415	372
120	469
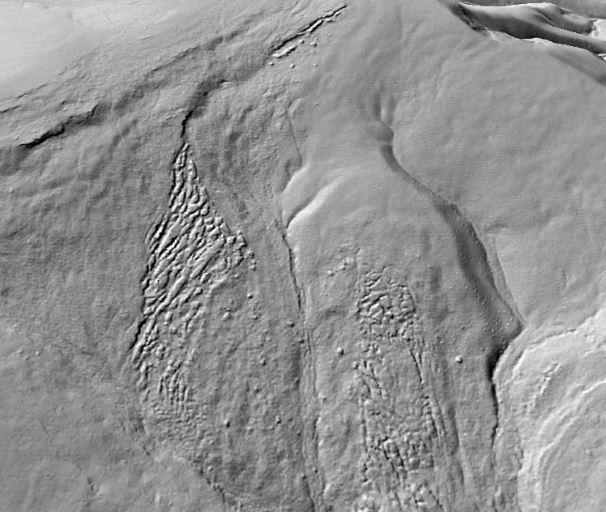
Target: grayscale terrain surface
302	256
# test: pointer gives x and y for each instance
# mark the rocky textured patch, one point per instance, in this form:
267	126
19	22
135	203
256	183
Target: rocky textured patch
201	324
400	434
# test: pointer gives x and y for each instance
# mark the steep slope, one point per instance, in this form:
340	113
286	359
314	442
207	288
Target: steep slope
570	37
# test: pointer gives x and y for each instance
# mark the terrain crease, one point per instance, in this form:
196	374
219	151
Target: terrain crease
502	321
474	262
96	115
308	386
303	256
281	48
157	77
